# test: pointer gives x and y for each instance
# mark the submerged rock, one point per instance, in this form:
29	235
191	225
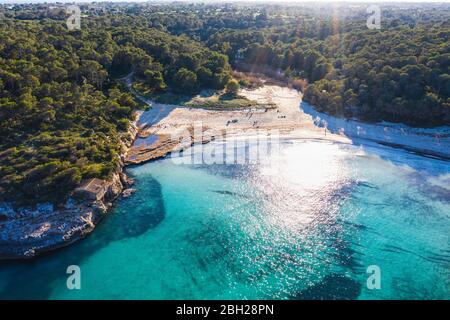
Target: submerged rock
128	192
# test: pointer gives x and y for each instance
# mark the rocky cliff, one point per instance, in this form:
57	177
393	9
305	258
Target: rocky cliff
25	232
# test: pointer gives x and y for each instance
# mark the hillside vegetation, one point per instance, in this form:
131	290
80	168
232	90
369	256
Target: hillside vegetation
63	110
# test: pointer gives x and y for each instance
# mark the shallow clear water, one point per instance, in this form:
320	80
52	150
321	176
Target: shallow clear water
306	223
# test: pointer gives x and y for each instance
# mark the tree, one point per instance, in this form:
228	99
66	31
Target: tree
184	81
232	87
155	80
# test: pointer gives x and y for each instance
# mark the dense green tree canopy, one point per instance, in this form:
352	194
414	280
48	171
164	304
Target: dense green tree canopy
399	73
63	108
62	111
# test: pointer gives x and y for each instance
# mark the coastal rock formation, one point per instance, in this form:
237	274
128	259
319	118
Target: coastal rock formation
93	189
24	233
128	192
165	145
27	232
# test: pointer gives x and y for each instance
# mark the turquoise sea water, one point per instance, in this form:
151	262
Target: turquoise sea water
304	224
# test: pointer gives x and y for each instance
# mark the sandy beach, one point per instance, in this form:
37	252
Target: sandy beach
169	128
162	123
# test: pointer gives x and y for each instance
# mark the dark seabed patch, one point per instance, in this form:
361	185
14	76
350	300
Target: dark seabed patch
35	277
219	232
332	287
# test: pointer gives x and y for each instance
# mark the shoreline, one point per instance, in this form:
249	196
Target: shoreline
434	142
181	127
27	233
292	118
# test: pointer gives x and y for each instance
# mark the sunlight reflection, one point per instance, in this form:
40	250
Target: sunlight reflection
301	180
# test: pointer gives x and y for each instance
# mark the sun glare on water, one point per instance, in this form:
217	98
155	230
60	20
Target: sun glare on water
308	165
301	180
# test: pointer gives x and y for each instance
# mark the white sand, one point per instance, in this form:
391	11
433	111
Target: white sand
293	121
287	118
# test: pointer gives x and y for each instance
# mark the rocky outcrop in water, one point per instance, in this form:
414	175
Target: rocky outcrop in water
164	145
